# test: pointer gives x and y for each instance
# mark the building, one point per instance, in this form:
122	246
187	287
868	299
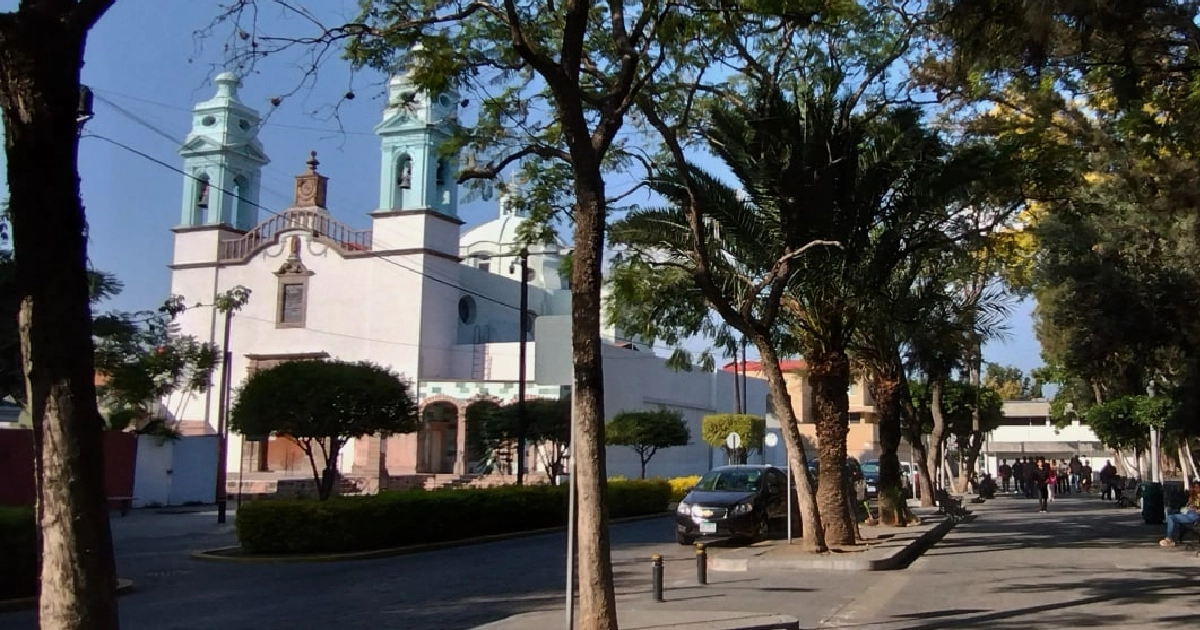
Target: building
862	441
413	291
1028	431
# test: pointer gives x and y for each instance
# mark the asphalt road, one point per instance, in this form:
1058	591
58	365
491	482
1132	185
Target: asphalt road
1085	564
451	589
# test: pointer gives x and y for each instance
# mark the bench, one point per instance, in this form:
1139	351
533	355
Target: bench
1128	495
950	506
123	503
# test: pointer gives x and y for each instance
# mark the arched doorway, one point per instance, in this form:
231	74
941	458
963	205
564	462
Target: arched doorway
484	454
438	438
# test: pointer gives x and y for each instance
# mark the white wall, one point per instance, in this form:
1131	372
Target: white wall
174	472
636	380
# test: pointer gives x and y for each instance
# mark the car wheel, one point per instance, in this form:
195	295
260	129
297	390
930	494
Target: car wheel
684	539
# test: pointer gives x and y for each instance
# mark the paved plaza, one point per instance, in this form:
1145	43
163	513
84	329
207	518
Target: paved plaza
1084	564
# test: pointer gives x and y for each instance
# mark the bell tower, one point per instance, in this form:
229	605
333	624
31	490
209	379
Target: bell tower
415	174
223	161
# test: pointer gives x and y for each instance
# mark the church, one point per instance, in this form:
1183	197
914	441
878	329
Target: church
415	291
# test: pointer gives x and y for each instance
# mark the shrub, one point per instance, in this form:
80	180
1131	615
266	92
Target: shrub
18	553
680	486
394	519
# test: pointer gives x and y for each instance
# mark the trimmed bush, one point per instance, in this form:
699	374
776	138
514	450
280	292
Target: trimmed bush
395	519
680	486
18	553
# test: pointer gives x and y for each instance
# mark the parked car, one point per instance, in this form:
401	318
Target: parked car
733	502
870	471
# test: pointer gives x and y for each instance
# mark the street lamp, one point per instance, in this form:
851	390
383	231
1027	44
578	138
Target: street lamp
1155	473
521	419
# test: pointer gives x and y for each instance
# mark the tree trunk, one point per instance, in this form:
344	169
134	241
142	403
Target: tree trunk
40	56
912	426
597	597
1187	450
812	535
885	390
643	474
829	374
975	440
937	436
972	458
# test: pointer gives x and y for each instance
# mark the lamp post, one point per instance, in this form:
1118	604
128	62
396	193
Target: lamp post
522	421
222	416
1155	473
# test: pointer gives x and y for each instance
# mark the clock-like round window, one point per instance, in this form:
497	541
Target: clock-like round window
444	100
208	121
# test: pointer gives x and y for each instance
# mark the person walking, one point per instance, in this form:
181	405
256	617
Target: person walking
1018	477
1051	480
1064	478
1004	472
1076	474
1108	481
1041	477
1029	471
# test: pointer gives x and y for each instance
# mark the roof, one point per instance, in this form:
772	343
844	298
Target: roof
789	365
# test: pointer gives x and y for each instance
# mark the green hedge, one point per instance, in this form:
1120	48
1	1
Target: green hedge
395	519
18	553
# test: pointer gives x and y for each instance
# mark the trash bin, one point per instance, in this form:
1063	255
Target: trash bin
1175	496
1153	512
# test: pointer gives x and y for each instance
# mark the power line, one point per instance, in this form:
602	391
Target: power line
268	124
388	260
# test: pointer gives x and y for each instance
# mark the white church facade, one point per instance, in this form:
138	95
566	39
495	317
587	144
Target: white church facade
414	291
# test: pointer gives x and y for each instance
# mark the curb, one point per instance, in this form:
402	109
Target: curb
898	559
124	587
221	554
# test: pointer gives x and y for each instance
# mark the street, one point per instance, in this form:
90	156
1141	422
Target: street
1084	563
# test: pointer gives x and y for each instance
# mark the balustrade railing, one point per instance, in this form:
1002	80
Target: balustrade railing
319	223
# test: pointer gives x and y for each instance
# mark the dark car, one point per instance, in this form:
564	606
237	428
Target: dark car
870	473
733	502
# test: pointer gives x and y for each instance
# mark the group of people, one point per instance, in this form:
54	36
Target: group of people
1031	477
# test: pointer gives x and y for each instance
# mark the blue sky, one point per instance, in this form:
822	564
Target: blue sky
145	62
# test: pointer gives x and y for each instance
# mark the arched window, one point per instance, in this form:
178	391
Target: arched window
404	175
443	172
200	204
241	206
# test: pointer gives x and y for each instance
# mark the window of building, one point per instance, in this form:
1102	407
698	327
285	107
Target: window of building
466	309
485	266
853	391
292	302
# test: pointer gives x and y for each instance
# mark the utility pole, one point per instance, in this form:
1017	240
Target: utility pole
226	303
522	421
222	416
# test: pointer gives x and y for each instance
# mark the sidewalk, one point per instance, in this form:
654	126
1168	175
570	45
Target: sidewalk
1083	564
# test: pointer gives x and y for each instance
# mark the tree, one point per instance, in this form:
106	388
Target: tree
548	426
715	429
321	405
42	46
144	364
646	432
1010	382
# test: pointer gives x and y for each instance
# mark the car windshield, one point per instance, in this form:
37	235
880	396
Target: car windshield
730	481
870	468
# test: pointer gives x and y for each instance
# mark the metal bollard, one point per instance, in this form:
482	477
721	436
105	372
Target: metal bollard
701	563
656	577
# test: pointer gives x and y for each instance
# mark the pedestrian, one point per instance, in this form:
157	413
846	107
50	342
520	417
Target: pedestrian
1040	479
1029	471
1064	478
1108	481
1076	474
1004	472
1189	516
1018	477
1086	473
1051	479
